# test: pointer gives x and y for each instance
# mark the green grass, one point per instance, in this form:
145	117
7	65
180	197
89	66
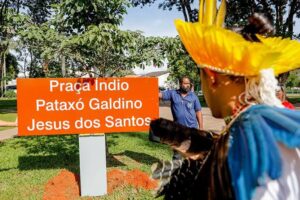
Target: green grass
28	163
10	117
8	111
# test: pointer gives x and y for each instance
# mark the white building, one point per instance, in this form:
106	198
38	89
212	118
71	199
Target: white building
162	79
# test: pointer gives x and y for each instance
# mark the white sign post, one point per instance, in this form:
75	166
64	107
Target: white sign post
92	156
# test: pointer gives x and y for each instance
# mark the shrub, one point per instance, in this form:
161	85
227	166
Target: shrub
10	94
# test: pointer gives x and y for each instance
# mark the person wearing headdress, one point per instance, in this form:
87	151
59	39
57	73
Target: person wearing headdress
257	155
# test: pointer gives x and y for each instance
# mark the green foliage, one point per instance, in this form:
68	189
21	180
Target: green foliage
293	79
40	11
109	50
12	69
8	104
179	62
10	94
75	16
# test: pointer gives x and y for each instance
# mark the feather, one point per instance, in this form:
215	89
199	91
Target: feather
210	12
221	14
275	167
235	55
200	13
254	152
228	52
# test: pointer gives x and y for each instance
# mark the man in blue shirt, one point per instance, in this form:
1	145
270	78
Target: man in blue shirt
185	106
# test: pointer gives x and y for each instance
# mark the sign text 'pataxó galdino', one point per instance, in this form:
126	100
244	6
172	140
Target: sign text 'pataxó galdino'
76	106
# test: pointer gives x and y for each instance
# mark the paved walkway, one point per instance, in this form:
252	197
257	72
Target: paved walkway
9	133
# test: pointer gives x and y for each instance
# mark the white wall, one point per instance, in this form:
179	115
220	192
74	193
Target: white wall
162	80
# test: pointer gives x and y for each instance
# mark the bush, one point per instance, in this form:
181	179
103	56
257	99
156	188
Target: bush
10	94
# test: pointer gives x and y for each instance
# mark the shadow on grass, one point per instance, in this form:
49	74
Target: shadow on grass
46	152
110	142
141	157
6	169
58	161
51	152
45	145
111	161
144	140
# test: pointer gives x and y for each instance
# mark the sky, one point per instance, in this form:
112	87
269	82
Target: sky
152	21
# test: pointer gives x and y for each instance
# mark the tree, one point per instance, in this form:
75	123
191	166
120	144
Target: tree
179	62
42	43
106	50
75	16
8	24
11	19
293	79
39	11
190	14
282	13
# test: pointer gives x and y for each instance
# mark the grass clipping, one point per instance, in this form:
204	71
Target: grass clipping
65	185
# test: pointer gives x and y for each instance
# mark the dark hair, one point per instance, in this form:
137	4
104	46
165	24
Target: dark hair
258	23
184	77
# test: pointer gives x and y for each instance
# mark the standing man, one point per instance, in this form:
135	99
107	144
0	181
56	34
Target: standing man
185	106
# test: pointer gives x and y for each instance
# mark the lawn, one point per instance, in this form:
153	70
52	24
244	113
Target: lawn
28	163
8	111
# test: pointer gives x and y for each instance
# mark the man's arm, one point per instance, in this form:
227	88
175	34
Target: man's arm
160	95
165	95
199	119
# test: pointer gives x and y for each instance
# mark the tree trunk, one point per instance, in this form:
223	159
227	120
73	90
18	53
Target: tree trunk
3	74
288	25
184	11
63	66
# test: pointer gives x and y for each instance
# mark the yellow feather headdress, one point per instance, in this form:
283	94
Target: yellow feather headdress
225	51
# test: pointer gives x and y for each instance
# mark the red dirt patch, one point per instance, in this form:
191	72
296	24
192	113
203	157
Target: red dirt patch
135	178
65	185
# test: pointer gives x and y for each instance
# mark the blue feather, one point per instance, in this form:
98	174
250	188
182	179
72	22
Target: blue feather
254	152
262	148
275	168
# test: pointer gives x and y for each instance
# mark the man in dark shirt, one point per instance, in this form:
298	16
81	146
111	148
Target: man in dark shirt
185	106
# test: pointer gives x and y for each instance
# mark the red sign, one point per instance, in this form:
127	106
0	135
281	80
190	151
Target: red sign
78	106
